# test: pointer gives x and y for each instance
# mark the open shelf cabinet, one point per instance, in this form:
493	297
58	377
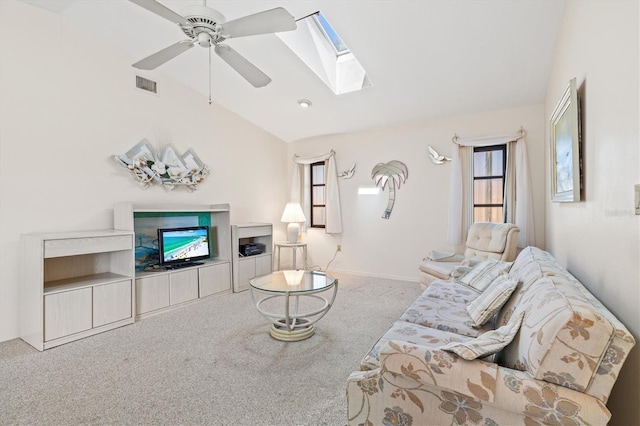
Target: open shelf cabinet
75	284
247	267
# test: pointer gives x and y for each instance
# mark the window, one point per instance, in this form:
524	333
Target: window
318	194
489	165
320	47
331	34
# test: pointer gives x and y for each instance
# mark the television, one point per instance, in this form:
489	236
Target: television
183	246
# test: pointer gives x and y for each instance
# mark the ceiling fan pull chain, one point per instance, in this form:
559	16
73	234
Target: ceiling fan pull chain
209	73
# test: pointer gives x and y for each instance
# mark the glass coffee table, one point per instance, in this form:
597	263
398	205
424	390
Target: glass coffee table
291	324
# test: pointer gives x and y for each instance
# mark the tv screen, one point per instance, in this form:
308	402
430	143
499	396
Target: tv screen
183	245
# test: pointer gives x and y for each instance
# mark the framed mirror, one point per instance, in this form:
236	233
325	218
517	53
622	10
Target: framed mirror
566	159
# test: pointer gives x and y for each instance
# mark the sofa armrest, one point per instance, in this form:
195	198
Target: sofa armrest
419	385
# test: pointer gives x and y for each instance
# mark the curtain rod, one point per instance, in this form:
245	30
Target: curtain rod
522	132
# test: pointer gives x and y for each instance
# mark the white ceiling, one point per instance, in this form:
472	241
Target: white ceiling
425	58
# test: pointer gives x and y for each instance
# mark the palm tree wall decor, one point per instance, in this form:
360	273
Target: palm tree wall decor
392	173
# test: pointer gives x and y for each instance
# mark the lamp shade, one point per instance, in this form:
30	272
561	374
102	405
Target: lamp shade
293	213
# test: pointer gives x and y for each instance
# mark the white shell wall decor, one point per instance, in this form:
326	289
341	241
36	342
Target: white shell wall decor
167	168
392	173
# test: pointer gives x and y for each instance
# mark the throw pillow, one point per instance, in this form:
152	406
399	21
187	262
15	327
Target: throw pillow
488	343
488	303
484	273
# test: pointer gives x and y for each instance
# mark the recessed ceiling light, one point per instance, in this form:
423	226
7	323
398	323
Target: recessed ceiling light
303	103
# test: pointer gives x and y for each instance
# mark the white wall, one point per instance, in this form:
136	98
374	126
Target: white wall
375	246
68	103
598	239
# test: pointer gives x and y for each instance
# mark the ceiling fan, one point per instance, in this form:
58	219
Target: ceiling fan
209	28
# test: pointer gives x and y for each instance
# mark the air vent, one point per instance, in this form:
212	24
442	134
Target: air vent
146	84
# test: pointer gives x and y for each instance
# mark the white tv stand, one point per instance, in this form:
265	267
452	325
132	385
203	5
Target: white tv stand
162	290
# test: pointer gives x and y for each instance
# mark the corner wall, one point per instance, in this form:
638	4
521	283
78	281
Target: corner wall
68	103
598	239
394	247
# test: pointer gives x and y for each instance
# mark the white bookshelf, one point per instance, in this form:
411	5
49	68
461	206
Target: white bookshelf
75	284
247	267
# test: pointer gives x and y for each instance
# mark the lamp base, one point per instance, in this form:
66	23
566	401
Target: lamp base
293	231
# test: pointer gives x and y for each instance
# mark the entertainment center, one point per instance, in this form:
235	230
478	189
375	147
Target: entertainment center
158	289
157	258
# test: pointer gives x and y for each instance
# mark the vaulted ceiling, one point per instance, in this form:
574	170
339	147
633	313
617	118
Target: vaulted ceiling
425	58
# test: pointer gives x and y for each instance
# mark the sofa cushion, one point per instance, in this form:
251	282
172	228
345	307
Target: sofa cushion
562	338
483	274
544	282
442	315
530	265
488	343
409	333
452	291
489	302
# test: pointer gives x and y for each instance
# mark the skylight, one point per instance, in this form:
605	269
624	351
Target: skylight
320	47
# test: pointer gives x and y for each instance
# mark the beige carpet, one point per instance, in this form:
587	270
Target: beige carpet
210	363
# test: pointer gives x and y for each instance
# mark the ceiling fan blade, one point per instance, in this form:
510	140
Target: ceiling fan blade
161	10
165	55
245	68
270	21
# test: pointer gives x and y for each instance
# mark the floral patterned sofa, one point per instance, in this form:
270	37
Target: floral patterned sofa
549	355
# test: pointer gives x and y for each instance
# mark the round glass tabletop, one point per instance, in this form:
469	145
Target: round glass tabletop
293	282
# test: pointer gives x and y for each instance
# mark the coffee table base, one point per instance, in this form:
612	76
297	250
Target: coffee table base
303	330
296	322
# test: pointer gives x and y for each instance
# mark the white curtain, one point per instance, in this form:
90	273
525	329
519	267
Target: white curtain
300	188
518	195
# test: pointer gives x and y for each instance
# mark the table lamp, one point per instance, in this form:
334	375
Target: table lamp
293	215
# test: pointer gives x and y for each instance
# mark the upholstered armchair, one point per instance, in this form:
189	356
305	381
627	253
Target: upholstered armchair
484	240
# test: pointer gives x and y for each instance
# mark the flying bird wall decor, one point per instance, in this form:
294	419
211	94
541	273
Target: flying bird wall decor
437	158
348	174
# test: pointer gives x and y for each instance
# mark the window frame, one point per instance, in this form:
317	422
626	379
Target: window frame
492	148
313	185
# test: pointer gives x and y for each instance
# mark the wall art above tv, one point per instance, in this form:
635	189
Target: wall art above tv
166	168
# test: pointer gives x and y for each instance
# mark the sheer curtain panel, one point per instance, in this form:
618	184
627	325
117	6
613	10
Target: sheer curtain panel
518	196
300	188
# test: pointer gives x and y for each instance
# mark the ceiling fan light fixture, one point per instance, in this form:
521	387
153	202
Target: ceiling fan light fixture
204	39
304	103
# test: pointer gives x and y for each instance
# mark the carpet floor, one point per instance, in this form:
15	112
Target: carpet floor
212	362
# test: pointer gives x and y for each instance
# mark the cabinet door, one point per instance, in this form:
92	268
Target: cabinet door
152	293
111	302
67	313
263	265
246	271
214	279
183	286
